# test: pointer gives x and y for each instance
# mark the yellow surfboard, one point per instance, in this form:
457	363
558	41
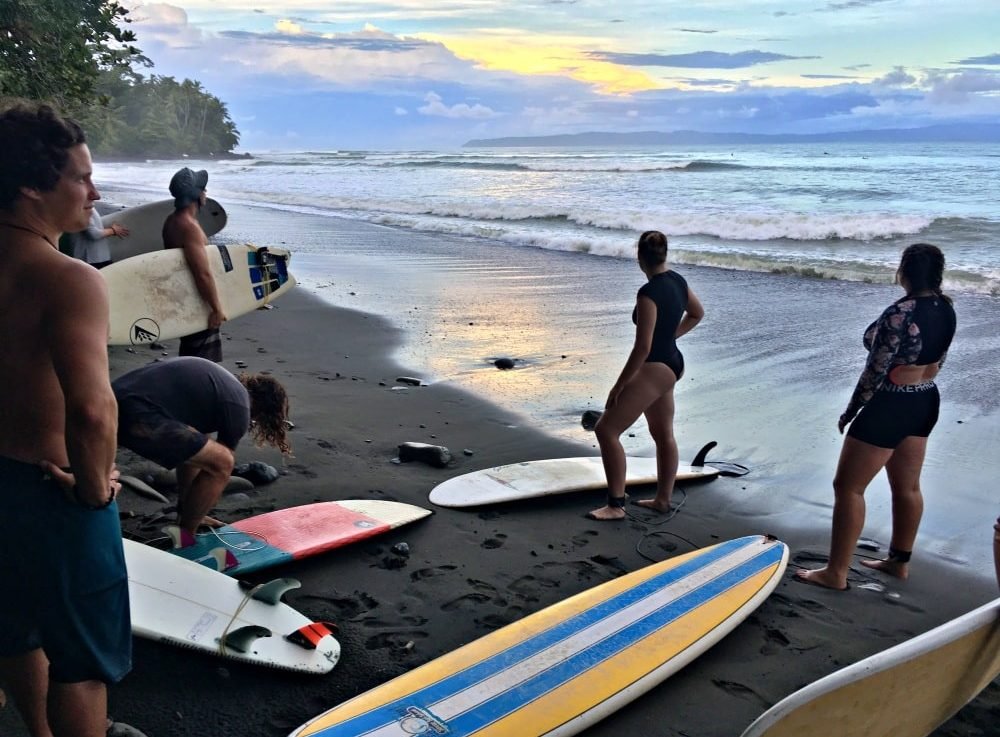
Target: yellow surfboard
905	691
558	671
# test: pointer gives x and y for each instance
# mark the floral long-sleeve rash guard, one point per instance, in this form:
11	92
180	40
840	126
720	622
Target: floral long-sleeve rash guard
912	331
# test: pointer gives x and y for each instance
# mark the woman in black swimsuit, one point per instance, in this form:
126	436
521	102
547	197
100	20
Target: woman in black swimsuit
666	309
893	409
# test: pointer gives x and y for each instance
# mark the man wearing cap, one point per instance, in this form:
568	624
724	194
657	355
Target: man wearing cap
182	230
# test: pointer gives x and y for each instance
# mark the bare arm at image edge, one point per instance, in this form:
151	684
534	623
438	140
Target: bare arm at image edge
996	549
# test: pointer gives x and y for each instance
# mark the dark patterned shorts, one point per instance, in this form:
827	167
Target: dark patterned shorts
150	431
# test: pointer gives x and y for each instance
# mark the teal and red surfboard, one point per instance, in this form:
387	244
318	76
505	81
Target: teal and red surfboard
284	535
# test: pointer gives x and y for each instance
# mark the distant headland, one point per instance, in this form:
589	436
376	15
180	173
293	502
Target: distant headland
957	133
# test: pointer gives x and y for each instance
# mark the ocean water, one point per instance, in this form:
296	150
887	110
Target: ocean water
530	254
826	210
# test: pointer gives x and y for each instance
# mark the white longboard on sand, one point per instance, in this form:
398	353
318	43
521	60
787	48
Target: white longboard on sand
182	603
145	226
906	691
154	297
532	479
558	671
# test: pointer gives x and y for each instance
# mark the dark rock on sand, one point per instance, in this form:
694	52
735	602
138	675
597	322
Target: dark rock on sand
432	455
504	363
141	488
590	418
256	472
163	479
237	484
409	380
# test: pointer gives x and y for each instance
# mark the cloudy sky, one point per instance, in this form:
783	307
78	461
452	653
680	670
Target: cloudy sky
308	74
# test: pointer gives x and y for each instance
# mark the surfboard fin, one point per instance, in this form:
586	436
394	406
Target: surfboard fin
699	458
310	635
223	557
725	468
272	591
179	537
240	640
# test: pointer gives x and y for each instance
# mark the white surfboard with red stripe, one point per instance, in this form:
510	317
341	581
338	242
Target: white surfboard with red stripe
182	603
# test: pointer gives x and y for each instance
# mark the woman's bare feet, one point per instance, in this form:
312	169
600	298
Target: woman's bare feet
655	504
823	578
892	567
606	513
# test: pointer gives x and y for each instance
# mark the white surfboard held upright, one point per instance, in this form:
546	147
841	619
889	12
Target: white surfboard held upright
145	226
154	297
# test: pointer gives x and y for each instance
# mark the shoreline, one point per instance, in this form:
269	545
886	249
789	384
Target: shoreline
470	572
772	364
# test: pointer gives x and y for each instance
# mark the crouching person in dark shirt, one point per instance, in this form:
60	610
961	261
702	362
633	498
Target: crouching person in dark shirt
168	409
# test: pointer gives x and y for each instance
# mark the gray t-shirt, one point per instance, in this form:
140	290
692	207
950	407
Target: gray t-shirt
194	391
90	245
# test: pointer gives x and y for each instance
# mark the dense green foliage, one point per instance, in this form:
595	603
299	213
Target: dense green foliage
155	117
78	54
53	50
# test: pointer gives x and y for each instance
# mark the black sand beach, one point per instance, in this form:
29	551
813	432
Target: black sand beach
470	572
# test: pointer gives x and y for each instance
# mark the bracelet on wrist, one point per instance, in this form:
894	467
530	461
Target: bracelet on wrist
95	507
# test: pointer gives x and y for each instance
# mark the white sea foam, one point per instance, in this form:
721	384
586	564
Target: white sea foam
833	211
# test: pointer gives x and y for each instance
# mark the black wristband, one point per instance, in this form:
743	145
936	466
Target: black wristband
94	507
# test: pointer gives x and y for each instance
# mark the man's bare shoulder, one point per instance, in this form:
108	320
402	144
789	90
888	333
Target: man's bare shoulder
181	230
72	278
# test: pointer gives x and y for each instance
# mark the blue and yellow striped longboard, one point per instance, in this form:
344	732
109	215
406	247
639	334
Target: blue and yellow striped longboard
559	670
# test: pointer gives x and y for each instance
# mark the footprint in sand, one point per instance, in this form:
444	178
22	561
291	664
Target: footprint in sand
496	621
482	593
303	470
775	641
347	607
410	621
743	692
583	569
790	607
492	543
431	572
400	640
583	538
611	561
528	587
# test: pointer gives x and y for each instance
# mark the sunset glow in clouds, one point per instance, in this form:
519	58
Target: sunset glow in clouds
402	74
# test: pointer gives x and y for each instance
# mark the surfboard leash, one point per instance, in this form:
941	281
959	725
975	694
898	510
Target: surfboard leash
239	610
651	533
219	537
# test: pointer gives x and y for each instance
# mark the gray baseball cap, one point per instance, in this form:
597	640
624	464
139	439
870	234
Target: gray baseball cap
186	186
